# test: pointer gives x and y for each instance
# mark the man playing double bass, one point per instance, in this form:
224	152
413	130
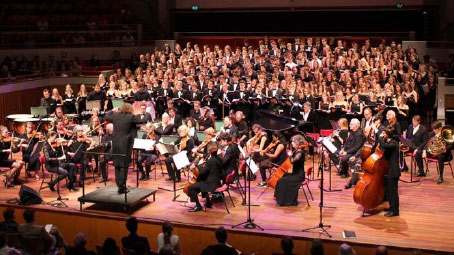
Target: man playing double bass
390	145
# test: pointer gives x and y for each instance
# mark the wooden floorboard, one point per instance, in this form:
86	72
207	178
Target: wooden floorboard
426	211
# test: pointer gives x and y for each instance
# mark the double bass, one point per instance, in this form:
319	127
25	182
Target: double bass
370	190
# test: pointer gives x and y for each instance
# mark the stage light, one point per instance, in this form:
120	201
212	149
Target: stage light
400	5
195	7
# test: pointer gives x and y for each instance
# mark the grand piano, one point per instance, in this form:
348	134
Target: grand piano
277	122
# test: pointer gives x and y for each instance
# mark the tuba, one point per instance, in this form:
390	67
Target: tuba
437	144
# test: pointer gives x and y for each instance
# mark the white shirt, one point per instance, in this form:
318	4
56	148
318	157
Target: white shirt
415	129
306	115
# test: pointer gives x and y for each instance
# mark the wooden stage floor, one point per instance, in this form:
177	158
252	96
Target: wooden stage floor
426	211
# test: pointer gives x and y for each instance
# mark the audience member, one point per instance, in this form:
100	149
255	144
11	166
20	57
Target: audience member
80	240
222	247
287	245
9	225
346	249
317	247
4	249
110	247
166	238
381	250
167	250
135	242
32	230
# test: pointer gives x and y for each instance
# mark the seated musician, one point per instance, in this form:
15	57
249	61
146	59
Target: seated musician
184	142
164	128
442	157
371	133
107	140
53	164
8	146
257	142
206	119
273	155
229	155
308	114
368	118
242	127
59	113
199	151
391	120
148	156
286	192
351	146
338	139
30	152
174	118
416	134
229	127
208	179
144	115
61	130
77	146
196	113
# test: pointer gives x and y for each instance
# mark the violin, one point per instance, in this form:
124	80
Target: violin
84	139
151	136
183	143
65	132
59	142
34	134
202	145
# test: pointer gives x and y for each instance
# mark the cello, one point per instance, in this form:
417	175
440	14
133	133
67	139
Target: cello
195	175
285	167
370	190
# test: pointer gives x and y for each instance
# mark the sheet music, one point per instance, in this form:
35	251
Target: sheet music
181	160
143	144
242	151
329	145
254	168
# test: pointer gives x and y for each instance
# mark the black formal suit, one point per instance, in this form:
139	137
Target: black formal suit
183	107
230	160
195	114
419	140
312	117
233	131
177	121
164	131
309	99
397	128
145	117
442	158
107	140
139	244
217	249
208	180
122	141
234	86
354	143
142	96
49	103
195	96
391	152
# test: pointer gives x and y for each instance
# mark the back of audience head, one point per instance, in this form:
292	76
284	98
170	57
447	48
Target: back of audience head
9	214
287	245
80	240
167	250
109	246
167	229
221	235
381	250
29	215
317	247
132	225
346	249
3	240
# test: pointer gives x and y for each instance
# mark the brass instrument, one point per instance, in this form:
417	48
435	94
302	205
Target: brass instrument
437	144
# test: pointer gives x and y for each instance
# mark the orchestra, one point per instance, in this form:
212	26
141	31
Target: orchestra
191	102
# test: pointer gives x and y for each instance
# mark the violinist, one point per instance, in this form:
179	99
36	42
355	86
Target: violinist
257	142
200	151
273	154
367	120
30	153
229	154
148	156
76	146
96	127
53	157
61	131
8	146
184	142
107	140
287	187
390	145
208	179
392	121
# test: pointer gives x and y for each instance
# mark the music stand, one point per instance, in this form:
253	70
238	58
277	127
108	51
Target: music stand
142	145
117	102
59	201
93	104
410	144
39	111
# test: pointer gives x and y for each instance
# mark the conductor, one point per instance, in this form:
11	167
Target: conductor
122	140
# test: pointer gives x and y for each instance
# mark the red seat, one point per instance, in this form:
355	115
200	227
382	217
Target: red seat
306	183
326	132
435	160
225	188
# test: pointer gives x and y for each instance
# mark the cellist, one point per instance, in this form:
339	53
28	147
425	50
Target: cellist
274	154
390	145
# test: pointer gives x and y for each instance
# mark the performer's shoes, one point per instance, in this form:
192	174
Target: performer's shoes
421	175
169	179
17	182
147	177
51	186
348	185
344	176
262	184
195	209
391	214
208	205
73	188
103	180
440	180
122	191
142	177
387	209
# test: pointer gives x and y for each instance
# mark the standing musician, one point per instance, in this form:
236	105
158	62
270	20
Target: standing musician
442	157
274	154
229	155
30	152
389	143
354	143
8	145
208	179
53	157
186	143
417	135
107	140
122	140
148	156
287	187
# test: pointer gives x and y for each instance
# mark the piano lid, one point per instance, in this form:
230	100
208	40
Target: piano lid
275	122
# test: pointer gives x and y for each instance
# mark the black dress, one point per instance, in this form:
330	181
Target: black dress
287	187
69	106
